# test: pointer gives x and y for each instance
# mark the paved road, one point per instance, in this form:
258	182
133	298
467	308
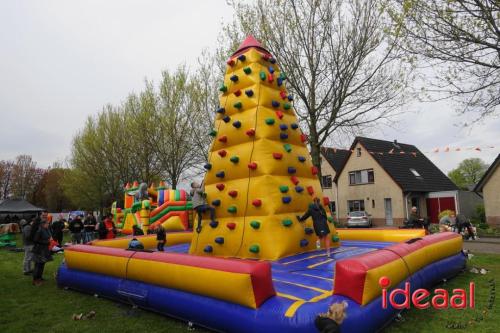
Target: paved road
483	245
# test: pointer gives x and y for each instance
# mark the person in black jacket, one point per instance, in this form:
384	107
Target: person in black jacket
89	225
28	247
56	229
41	252
320	224
161	237
330	322
76	227
136	231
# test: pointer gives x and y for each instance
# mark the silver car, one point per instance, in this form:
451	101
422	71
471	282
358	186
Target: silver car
359	219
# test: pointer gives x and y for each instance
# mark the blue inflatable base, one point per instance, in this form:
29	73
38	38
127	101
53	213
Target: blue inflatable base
303	276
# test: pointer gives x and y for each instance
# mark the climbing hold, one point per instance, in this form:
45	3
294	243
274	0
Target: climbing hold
222	153
249	92
208	166
304	242
277	156
270	78
255	224
287	147
216	202
250	132
314	170
271	69
287	106
269	121
294	180
237	124
294	126
234	78
266	57
226	119
283	188
252	165
303	137
283	94
299	189
279	114
237	93
238	105
283	136
290	98
335	238
283	127
275	104
233	193
310	190
257	202
231	225
214	224
247	70
220	186
212	133
232	209
220	174
301	159
308	230
282	76
242	57
223	88
279	81
287	222
286	200
208	249
223	139
221	110
234	159
292	170
219	240
262	75
272	60
254	248
230	62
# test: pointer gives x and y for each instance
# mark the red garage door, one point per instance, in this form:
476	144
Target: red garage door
437	205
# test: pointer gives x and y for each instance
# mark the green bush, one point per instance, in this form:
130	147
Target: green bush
479	219
446	212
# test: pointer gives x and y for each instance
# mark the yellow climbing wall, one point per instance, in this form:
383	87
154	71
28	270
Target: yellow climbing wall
260	174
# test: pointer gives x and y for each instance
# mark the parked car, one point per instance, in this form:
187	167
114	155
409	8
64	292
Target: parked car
359	219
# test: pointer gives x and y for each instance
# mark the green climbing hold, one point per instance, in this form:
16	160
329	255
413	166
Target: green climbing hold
234	159
288	147
238	105
262	75
255	224
254	248
335	238
282	76
223	88
283	188
232	209
247	70
270	121
287	222
212	133
287	106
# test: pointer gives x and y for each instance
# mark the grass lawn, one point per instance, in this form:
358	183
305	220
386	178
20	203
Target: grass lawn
25	308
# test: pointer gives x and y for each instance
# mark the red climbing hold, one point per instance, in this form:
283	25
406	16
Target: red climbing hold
233	193
231	225
257	202
314	170
294	180
283	94
223	139
220	186
252	165
279	114
303	137
222	153
277	156
230	62
237	93
250	132
270	77
310	190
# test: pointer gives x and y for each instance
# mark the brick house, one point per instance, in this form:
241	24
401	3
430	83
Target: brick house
489	186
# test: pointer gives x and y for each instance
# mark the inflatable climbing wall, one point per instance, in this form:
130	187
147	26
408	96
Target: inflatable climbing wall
260	174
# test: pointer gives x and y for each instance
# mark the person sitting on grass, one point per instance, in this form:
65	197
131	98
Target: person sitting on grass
199	199
161	237
318	215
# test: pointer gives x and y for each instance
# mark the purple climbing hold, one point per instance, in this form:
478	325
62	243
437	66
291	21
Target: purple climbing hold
214	224
283	127
226	119
308	230
208	249
275	104
301	159
242	57
286	200
220	174
219	240
292	170
299	189
234	78
221	110
304	243
208	166
249	92
279	81
283	136
237	124
294	126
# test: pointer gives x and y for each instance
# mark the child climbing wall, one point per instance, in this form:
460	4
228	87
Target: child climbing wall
260	174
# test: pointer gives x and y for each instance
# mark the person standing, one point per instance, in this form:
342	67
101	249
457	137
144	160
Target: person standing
76	227
41	252
56	228
107	228
28	247
89	225
318	215
161	237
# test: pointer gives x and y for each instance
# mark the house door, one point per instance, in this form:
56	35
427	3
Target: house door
388	211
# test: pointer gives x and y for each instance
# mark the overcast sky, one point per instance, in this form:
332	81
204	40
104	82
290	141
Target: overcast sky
61	61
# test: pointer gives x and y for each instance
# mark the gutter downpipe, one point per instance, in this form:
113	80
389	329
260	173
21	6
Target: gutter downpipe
406	205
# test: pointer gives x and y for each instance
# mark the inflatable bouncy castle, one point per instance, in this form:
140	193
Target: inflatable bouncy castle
256	268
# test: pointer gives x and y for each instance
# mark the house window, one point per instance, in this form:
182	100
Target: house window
416	174
361	177
358	152
326	181
333	209
373	203
355	205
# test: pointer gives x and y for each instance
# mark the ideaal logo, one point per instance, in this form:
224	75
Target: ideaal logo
440	299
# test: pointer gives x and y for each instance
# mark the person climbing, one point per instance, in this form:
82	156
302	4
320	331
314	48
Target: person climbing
56	228
28	247
41	252
161	237
76	227
136	231
199	199
318	215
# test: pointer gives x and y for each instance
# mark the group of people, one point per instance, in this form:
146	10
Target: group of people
88	229
458	223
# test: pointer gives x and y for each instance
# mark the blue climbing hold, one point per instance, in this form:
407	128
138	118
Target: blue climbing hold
275	104
226	119
219	240
283	136
249	92
221	110
279	81
237	124
286	200
220	174
242	57
301	159
208	166
234	78
290	98
216	203
271	69
292	170
299	189
304	242
283	127
272	60
214	224
294	126
308	230
208	249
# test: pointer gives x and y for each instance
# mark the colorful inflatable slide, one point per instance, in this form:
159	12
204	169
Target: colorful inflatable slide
256	268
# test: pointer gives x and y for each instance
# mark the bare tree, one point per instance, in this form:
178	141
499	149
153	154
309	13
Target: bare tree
460	39
5	178
338	61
